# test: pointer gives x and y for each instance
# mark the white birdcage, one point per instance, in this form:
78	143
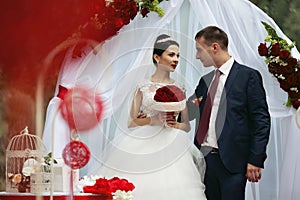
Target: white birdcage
24	155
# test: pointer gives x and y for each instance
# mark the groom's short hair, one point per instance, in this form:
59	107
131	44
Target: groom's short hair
213	34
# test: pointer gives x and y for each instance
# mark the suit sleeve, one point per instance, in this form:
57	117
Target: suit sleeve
259	120
193	107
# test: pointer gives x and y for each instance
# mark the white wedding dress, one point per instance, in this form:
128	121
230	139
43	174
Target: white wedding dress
161	162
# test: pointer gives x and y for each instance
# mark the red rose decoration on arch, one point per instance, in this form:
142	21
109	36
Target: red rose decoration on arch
81	108
107	18
282	64
275	49
284	54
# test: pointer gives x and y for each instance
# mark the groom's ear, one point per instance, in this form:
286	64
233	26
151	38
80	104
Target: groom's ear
215	46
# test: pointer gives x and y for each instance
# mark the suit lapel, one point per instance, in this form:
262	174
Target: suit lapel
230	79
221	116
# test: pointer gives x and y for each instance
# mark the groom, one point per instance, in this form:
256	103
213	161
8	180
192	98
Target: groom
234	124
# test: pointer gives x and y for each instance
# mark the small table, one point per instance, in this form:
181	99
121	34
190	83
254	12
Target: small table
46	196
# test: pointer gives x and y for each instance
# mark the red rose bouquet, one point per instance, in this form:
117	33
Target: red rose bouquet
169	99
282	64
169	93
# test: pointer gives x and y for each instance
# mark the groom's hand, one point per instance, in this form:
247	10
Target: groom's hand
253	173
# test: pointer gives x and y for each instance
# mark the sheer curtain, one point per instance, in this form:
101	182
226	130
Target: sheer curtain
124	60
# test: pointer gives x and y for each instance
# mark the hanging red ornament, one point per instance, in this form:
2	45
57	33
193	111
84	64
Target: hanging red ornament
76	154
81	108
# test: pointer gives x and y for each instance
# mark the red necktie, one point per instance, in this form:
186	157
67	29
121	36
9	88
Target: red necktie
205	116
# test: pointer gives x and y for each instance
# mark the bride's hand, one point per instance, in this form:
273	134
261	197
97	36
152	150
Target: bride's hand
168	116
141	115
173	124
170	119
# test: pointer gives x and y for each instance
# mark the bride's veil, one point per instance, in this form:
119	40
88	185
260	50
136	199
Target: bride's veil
126	59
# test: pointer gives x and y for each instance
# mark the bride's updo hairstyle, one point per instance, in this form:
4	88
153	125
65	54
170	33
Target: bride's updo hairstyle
162	42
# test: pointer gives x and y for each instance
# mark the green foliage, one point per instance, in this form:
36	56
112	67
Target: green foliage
47	161
271	32
151	5
273	38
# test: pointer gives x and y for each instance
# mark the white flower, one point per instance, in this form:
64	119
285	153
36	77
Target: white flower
26	171
122	195
279	61
295	89
281	77
30	166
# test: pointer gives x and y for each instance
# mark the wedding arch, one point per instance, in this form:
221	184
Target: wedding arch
125	59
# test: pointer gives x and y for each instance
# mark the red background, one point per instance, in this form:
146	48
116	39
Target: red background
29	30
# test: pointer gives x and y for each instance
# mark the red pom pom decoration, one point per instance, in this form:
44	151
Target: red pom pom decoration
81	108
76	154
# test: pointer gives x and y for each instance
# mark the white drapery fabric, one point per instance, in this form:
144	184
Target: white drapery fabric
124	60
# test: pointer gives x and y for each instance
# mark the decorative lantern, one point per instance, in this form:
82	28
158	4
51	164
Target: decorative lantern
24	157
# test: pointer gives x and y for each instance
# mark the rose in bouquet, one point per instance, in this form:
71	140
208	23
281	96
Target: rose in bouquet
169	99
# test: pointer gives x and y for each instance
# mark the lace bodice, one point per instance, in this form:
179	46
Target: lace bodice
148	89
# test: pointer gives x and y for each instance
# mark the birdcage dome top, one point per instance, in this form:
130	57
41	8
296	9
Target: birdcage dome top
25	145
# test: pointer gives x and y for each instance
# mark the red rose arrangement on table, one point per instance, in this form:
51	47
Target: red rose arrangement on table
114	188
284	67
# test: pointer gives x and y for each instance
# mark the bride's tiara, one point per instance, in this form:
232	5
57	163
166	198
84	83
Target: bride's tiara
164	40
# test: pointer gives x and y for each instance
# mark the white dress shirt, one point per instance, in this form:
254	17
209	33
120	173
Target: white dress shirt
211	140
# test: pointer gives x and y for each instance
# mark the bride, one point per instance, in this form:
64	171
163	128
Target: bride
157	156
